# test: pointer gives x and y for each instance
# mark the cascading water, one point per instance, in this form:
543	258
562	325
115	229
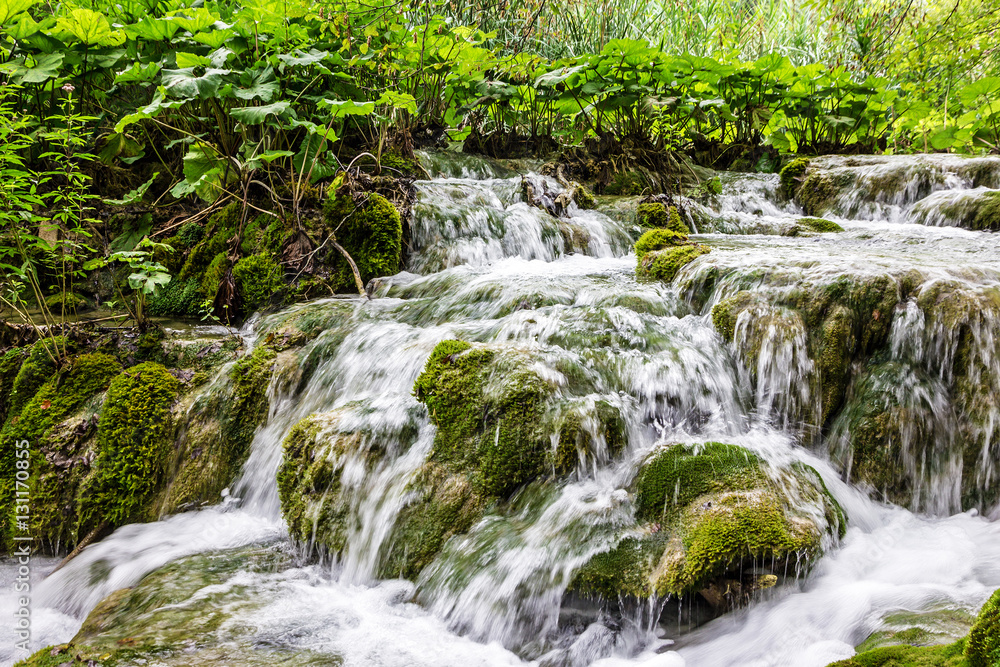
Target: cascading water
560	295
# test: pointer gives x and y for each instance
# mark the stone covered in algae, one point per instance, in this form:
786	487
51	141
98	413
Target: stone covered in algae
184	614
662	253
370	230
706	515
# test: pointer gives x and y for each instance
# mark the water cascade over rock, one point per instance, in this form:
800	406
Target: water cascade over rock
747	436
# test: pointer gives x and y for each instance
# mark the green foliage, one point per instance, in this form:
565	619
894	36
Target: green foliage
177	299
135	437
257	277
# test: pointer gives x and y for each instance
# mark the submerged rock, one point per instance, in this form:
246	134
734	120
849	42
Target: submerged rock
714	519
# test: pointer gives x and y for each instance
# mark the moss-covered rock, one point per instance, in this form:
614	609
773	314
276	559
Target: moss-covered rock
182	615
178	298
657	215
135	441
371	231
10	364
583	197
819	191
665	264
42	362
589	431
792	175
66	303
820	225
707	514
218	431
658	239
258	277
983	646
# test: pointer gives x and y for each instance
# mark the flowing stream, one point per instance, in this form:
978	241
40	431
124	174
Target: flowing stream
485	266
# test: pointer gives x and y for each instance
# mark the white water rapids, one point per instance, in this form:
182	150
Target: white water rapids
487	267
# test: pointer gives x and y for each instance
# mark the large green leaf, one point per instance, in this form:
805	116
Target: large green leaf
11	8
185	60
988	86
91	28
193	81
204	173
153	29
138	73
134	196
195	20
215	37
257	115
151	110
257	85
348	107
36	70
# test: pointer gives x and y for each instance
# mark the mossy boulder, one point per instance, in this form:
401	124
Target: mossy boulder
42	361
218	430
983	646
819	191
662	253
66	303
488	407
820	225
583	197
135	441
792	175
371	232
10	364
657	215
626	183
707	514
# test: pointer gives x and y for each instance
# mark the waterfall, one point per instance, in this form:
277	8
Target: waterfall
904	317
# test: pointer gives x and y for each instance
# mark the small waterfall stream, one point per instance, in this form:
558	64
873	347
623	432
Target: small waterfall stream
487	267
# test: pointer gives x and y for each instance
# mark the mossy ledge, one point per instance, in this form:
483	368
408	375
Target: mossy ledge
706	515
662	253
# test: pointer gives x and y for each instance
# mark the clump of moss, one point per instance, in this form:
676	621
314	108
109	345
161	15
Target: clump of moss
583	197
371	231
257	278
677	475
817	193
658	215
820	225
658	239
445	504
36	370
625	183
576	441
10	364
65	303
665	264
983	646
726	312
792	175
178	298
216	236
490	429
212	278
623	570
134	438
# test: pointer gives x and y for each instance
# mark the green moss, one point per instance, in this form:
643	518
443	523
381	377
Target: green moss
190	233
177	299
677	475
10	364
727	312
836	349
135	439
792	175
257	278
665	264
658	239
487	415
817	193
584	198
212	278
626	183
372	235
623	570
36	370
908	656
397	162
577	443
820	225
983	647
445	503
657	215
65	303
218	233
